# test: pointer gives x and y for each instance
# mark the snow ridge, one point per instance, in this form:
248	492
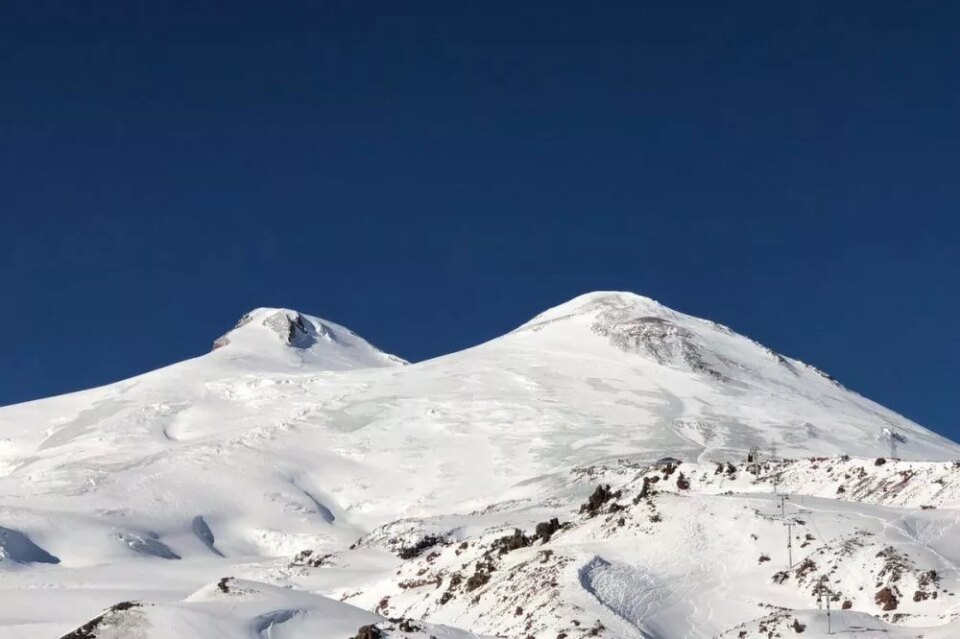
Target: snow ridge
312	340
299	482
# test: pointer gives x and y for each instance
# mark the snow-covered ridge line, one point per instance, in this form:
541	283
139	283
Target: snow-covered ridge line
312	340
242	608
878	480
298	456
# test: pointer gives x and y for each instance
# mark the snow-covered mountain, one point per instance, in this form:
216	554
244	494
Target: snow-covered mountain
294	434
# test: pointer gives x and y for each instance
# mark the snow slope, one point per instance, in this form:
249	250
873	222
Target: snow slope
294	433
232	608
696	550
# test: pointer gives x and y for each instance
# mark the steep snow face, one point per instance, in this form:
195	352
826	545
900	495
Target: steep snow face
281	333
295	433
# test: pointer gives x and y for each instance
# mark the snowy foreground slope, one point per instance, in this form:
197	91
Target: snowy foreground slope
298	482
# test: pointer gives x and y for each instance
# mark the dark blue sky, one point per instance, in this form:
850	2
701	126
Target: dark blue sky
432	174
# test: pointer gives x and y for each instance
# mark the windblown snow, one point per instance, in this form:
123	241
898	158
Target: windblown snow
298	482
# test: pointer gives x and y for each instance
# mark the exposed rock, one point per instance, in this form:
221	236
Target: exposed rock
546	529
309	559
476	580
89	629
886	599
406	625
600	496
646	490
654	337
512	542
409	552
369	632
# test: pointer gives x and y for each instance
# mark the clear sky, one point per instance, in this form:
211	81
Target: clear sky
432	174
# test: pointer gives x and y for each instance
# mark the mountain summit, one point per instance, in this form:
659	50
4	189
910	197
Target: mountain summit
638	325
302	338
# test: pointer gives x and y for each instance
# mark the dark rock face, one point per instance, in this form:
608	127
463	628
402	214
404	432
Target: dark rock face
476	580
409	552
299	332
545	530
646	490
369	632
89	629
309	559
293	329
406	625
886	599
481	575
512	542
656	338
600	496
